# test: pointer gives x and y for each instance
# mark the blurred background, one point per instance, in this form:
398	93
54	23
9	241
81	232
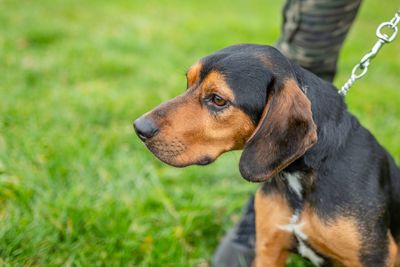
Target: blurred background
77	187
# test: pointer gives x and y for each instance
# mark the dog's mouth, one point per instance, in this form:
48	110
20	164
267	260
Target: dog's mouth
167	153
176	154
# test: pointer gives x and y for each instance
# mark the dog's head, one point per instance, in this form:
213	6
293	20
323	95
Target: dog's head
241	97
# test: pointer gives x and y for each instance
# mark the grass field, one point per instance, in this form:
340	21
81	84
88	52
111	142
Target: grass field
77	188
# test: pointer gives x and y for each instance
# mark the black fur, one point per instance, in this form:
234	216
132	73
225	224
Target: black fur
353	174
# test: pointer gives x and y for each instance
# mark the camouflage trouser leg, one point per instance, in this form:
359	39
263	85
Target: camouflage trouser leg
313	32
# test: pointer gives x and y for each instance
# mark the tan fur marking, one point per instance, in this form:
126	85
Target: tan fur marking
397	262
189	131
215	83
266	60
193	74
338	239
393	252
272	244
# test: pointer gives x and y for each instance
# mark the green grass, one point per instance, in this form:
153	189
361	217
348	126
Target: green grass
77	188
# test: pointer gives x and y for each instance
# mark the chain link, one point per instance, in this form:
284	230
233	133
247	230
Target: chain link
361	68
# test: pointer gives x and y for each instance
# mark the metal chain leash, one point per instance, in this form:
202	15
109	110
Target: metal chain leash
361	68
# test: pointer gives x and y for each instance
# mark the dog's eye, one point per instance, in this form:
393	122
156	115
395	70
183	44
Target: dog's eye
218	101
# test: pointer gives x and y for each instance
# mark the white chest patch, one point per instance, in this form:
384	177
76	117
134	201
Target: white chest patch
294	227
294	183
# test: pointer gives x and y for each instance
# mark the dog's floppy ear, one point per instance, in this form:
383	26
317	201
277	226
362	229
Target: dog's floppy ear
284	133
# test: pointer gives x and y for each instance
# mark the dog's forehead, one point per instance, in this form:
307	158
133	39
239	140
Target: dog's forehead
240	69
243	73
235	61
232	63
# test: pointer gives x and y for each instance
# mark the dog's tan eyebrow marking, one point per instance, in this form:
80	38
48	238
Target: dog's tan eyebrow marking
193	73
215	82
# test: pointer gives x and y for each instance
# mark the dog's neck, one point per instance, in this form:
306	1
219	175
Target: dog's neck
334	124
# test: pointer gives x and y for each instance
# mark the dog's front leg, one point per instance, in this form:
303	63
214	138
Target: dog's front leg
272	243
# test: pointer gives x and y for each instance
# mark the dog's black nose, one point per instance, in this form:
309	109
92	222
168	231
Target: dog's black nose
145	128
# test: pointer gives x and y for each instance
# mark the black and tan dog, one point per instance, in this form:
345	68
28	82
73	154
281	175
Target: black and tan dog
329	192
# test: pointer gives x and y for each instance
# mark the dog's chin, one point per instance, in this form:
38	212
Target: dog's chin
172	161
201	162
176	157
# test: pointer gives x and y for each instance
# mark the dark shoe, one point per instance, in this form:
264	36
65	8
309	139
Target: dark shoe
237	247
